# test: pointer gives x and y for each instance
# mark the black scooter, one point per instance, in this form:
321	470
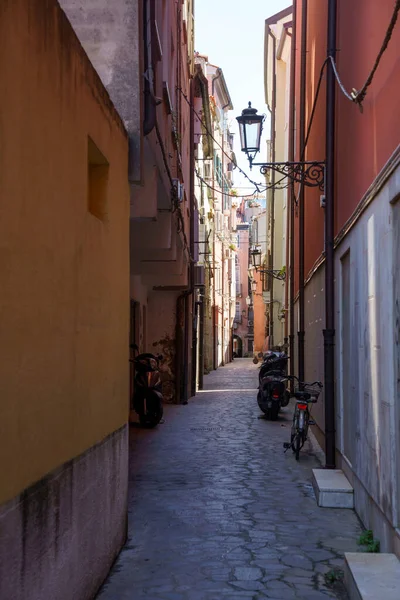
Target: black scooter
147	397
272	393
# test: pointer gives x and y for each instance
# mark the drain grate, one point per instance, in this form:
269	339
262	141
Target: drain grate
206	429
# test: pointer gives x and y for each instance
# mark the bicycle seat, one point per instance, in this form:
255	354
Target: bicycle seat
302	396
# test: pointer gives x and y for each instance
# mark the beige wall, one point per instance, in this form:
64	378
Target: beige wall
64	273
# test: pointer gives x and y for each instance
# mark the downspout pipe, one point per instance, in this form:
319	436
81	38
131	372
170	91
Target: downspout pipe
329	331
273	159
302	129
201	341
150	115
182	310
292	126
214	79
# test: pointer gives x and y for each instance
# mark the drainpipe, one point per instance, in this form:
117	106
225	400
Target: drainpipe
201	342
302	129
195	343
223	246
149	120
289	198
292	126
273	158
214	320
329	331
182	303
214	79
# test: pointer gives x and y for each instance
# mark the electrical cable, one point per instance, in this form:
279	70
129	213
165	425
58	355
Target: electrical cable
340	84
240	196
355	96
313	110
225	193
256	185
175	203
358	96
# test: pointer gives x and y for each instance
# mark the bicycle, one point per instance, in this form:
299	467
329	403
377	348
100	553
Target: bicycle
306	394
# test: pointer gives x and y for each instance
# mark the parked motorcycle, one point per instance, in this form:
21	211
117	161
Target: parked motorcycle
272	392
148	398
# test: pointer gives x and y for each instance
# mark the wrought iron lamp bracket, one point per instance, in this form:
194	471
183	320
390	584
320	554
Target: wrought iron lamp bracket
309	173
272	273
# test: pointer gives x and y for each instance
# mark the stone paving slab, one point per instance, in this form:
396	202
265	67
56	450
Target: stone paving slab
218	511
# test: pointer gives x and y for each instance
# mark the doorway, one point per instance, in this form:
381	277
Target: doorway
237	347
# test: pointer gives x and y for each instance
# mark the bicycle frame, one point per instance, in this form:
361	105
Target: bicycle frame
307	395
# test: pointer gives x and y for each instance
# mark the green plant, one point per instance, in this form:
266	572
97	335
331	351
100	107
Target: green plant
333	576
366	538
374	548
283	270
371	544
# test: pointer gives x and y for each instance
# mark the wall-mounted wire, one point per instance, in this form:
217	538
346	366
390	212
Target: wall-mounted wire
358	96
200	118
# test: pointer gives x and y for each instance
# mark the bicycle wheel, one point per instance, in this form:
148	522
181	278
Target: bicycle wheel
294	431
298	444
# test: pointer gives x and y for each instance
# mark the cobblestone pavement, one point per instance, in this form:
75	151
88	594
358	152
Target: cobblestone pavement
219	512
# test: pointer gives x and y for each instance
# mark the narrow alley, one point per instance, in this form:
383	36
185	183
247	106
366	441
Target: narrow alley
218	510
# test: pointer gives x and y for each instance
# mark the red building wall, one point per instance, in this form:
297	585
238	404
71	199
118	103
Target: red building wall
364	141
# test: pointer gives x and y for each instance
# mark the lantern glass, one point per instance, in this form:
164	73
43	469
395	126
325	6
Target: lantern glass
248	300
250	129
256	258
254	286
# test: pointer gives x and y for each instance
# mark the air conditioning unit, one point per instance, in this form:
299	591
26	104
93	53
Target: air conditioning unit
199	276
180	189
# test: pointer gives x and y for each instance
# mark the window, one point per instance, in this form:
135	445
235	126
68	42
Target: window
237	313
218	169
255	232
98	168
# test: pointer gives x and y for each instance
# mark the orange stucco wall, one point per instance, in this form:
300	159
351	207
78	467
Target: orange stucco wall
364	141
64	274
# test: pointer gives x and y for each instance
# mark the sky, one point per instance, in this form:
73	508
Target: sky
231	34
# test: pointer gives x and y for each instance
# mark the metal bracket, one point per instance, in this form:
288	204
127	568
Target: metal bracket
273	273
309	173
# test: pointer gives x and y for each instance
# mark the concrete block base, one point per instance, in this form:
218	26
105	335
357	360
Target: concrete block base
332	489
372	576
60	537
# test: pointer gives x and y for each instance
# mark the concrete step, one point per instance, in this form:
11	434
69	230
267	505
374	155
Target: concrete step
332	488
372	576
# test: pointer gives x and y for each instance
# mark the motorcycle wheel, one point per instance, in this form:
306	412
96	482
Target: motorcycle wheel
151	419
274	413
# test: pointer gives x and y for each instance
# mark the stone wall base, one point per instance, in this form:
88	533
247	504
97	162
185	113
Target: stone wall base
60	537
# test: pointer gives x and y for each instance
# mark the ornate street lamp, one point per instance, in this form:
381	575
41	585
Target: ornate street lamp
250	129
254	286
309	173
248	300
256	260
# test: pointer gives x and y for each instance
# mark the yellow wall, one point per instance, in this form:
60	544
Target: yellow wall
64	273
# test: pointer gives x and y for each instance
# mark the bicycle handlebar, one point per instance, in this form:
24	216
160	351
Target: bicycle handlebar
304	383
